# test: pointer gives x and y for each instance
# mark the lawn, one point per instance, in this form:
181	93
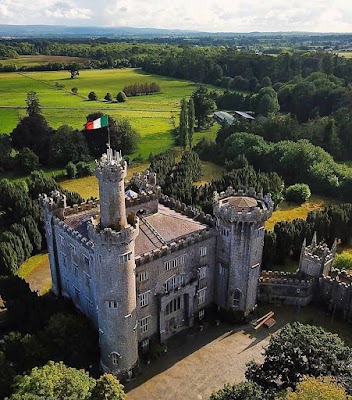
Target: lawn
347	54
36	272
31	61
152	115
289	211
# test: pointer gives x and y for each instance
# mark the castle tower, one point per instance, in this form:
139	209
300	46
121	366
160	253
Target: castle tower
240	222
114	241
111	171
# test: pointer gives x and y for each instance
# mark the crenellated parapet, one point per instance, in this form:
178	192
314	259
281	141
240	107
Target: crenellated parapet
340	277
189	211
145	181
173	247
284	278
111	236
144	197
111	167
55	203
87	243
78	208
242	206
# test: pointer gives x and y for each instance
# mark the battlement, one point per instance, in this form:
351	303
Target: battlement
179	244
342	278
242	206
189	211
320	252
145	180
112	236
78	208
284	278
87	243
144	197
111	166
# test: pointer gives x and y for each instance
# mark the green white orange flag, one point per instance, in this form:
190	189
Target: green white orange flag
98	123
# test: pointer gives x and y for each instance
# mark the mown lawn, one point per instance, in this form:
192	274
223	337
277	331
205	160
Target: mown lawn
289	211
30	61
36	272
152	115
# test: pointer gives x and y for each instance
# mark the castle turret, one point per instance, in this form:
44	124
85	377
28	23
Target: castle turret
240	222
114	241
111	172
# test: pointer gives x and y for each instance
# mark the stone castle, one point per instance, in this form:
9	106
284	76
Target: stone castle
143	266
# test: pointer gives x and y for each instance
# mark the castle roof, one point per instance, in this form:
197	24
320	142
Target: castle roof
242	202
156	230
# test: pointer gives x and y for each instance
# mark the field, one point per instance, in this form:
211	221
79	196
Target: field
36	272
289	211
31	61
151	115
347	54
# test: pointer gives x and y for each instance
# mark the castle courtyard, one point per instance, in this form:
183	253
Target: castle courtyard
197	363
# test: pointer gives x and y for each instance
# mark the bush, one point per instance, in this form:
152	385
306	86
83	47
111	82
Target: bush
343	261
92	96
298	193
28	161
83	169
74	90
108	97
71	170
121	97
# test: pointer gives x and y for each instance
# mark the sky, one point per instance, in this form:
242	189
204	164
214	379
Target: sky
202	15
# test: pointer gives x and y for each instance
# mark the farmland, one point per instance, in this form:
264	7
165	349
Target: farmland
33	60
152	115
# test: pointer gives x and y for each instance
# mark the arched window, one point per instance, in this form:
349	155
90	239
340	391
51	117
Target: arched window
115	358
173	306
236	298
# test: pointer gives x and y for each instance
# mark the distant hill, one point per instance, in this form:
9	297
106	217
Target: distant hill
60	31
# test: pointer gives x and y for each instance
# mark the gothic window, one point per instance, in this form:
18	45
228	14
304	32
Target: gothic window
87	279
175	262
203	251
75	269
115	358
143	276
174	282
64	259
202	296
144	299
61	241
222	270
112	303
236	298
173	306
86	262
72	250
144	324
202	272
125	257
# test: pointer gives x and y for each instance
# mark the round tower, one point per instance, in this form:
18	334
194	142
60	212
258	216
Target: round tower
114	275
111	172
240	219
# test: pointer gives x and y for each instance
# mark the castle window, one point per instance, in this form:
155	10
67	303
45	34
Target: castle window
144	324
202	296
89	306
202	272
112	303
236	298
75	269
174	282
145	344
125	257
143	276
201	314
64	259
173	306
144	299
87	279
203	251
222	270
115	358
72	250
61	241
86	262
175	262
77	291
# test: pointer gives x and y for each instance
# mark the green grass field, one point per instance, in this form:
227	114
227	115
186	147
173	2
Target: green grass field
31	61
289	211
150	115
36	272
347	54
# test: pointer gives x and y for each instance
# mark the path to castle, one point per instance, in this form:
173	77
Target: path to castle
198	363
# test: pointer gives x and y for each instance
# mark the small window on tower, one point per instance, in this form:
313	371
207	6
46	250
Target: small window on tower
115	358
112	303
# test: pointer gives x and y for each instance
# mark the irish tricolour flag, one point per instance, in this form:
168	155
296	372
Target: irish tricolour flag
98	123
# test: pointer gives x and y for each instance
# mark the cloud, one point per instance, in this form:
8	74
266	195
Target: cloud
66	10
206	15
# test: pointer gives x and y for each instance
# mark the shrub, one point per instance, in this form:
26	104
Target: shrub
343	261
121	97
71	170
298	193
108	97
74	90
83	169
28	161
92	96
